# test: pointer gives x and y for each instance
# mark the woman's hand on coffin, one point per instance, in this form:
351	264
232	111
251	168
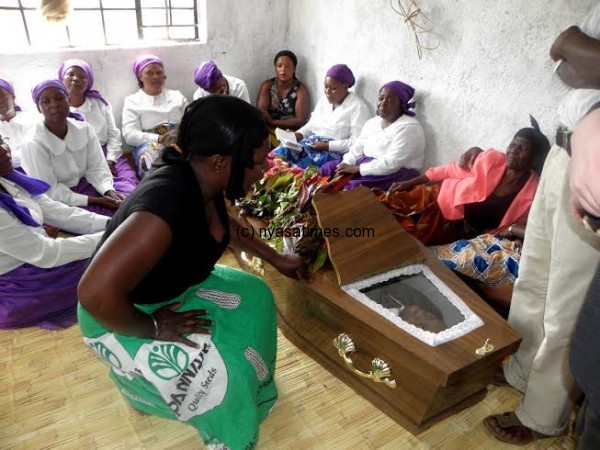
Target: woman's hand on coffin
173	326
291	266
347	169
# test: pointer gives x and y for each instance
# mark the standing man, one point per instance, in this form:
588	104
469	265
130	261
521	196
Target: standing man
585	346
557	264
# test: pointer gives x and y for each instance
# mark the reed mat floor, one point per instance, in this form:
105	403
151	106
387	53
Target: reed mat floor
55	394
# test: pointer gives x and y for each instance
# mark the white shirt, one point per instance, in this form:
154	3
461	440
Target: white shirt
15	131
577	102
343	124
20	243
101	118
63	163
237	88
401	144
144	112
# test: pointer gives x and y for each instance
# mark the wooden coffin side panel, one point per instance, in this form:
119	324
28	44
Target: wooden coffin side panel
417	402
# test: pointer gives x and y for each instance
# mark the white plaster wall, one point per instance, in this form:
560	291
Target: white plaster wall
490	71
240	40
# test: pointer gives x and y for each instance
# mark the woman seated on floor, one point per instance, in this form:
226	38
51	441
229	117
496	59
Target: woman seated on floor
78	78
152	114
390	147
489	195
65	153
283	100
154	297
212	81
39	274
14	123
334	125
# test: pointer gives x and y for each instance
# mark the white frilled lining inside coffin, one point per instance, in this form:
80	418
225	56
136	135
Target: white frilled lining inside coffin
471	320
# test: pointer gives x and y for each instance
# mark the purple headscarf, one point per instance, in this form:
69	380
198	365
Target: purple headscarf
89	92
37	90
144	60
8	86
207	74
404	92
342	73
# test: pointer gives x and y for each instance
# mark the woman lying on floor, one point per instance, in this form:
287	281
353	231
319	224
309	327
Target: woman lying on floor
390	147
334	125
488	195
39	274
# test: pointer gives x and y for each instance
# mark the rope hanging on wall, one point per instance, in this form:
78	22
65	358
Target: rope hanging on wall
411	15
55	10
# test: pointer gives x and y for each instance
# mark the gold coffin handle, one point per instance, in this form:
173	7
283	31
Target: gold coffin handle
380	370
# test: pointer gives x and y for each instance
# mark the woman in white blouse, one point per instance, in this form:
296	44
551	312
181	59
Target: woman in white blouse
152	114
78	78
66	154
334	124
390	147
211	80
39	274
14	123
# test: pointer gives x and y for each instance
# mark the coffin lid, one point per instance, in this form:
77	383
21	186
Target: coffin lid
376	243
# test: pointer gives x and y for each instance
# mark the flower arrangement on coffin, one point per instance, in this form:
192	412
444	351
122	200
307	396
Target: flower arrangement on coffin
282	199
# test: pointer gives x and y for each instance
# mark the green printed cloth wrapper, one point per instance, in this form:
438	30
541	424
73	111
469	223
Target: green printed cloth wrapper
224	389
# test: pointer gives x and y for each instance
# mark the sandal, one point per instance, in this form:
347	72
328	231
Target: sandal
508	428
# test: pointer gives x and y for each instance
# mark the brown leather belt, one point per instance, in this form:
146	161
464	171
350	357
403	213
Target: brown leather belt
563	138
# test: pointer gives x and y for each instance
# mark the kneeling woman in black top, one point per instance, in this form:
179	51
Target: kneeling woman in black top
187	339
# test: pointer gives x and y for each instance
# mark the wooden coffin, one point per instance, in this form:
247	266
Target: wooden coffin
413	382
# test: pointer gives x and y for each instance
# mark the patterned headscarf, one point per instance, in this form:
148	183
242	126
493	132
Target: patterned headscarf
405	93
89	92
342	73
36	93
206	74
144	60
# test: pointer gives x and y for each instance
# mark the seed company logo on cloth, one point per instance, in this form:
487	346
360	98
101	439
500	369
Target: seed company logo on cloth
110	351
168	361
104	353
190	380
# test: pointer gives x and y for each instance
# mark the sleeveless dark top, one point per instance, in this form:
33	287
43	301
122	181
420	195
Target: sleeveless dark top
286	108
173	194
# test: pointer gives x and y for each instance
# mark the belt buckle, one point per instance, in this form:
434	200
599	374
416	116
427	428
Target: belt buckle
563	138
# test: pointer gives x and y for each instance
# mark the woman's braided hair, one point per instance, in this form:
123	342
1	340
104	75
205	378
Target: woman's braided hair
220	125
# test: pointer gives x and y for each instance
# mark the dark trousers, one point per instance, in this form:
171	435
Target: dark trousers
588	428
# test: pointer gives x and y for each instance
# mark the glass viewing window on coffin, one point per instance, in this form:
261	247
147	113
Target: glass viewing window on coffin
418	302
94	23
